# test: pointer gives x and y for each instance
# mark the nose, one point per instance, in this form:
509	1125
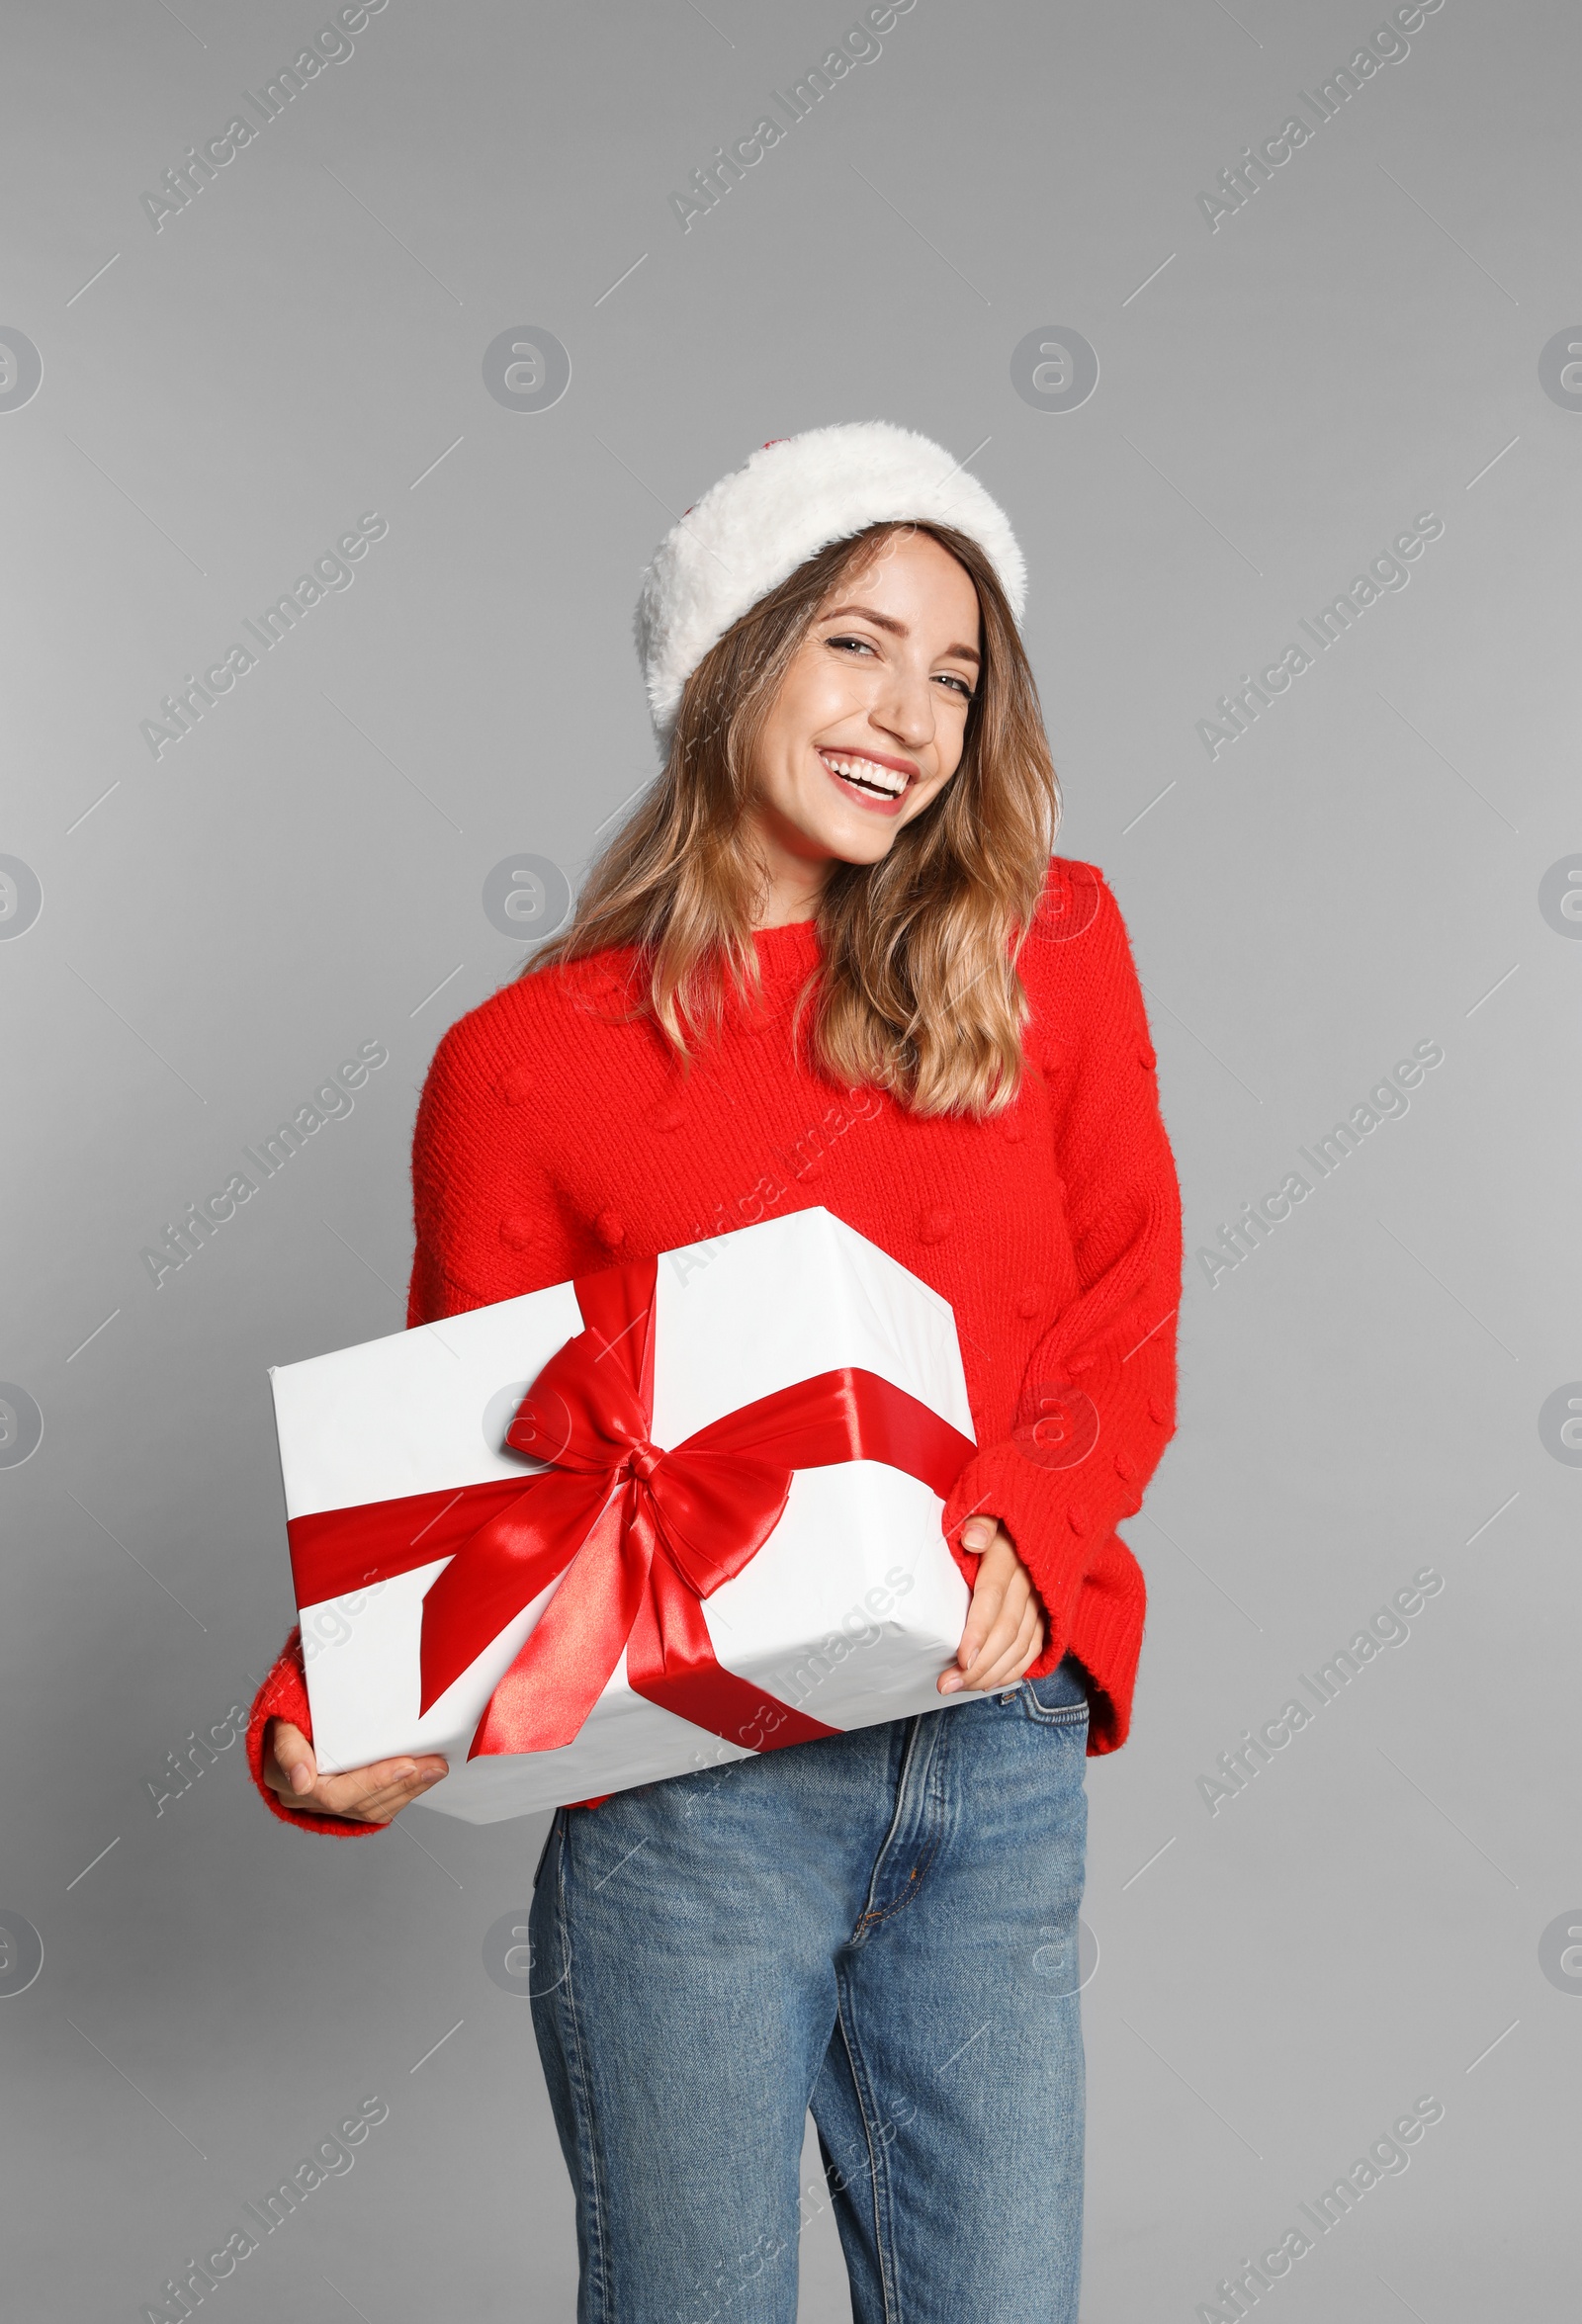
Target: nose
906	709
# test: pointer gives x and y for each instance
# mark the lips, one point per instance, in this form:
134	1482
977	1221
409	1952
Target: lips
875	782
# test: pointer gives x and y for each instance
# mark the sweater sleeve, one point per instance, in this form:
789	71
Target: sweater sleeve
485	1227
1097	1398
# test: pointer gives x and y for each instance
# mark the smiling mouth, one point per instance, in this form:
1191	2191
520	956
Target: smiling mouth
885	785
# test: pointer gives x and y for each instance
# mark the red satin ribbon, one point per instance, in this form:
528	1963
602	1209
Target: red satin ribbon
641	1535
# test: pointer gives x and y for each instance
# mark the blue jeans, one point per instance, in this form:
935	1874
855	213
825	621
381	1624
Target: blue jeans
880	1926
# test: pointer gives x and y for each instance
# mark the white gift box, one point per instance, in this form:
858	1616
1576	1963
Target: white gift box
849	1613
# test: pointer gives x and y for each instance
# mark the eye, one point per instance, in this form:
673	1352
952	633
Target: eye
862	645
949	678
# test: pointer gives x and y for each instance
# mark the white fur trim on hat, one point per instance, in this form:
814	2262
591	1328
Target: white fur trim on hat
752	529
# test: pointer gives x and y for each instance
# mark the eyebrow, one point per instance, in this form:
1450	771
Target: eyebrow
885	620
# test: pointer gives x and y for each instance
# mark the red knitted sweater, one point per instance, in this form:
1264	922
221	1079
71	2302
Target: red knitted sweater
554	1137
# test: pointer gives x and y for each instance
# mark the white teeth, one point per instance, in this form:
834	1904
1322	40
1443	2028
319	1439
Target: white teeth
865	770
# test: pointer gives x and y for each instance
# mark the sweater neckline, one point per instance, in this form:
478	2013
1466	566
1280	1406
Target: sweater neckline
788	951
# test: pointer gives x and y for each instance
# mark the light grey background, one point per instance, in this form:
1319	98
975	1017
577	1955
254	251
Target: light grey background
305	871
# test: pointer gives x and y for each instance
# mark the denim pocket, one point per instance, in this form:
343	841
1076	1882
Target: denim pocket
1059	1699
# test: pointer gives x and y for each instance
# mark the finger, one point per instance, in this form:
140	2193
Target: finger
994	1593
389	1804
997	1647
1011	1666
385	1773
379	1807
1005	1601
376	1792
294	1756
1000	1646
370	1794
992	1620
293	1780
1029	1644
975	1643
384	1798
367	1807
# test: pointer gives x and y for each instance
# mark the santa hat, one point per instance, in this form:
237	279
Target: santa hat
752	529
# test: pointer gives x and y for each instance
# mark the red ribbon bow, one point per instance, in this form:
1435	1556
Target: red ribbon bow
641	1535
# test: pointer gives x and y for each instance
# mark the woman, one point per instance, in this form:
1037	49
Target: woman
829	960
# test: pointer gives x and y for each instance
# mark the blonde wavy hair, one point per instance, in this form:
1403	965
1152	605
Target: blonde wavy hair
918	992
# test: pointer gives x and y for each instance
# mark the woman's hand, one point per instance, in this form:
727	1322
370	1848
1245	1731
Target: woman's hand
1006	1627
368	1795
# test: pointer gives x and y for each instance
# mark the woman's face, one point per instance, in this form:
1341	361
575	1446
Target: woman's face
868	724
